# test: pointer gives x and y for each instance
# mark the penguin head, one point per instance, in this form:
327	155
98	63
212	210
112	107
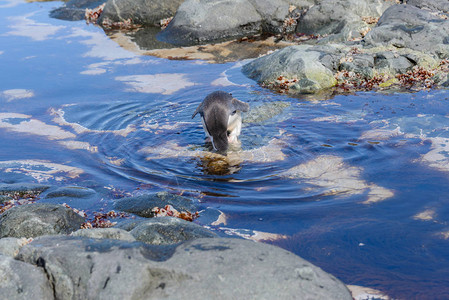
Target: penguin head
215	111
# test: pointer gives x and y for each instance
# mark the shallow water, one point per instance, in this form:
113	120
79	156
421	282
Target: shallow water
356	184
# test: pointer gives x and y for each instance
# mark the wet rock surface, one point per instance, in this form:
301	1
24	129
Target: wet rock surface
169	230
38	219
80	267
144	204
9	191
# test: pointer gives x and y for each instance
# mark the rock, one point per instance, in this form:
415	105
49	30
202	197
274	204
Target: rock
434	5
20	280
75	10
71	191
295	62
273	14
105	233
144	12
142	205
406	26
203	21
169	230
38	219
128	224
362	64
8	191
211	268
340	17
10	246
85	268
389	62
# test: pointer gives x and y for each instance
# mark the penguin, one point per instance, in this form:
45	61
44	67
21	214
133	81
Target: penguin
221	117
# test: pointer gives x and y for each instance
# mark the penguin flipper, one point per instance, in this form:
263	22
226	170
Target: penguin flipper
239	105
199	109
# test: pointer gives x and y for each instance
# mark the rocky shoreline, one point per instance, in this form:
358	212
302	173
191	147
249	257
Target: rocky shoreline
45	255
335	46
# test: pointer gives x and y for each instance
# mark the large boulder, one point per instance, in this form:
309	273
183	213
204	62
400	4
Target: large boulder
169	230
214	268
202	21
406	26
19	280
341	17
34	220
144	12
299	64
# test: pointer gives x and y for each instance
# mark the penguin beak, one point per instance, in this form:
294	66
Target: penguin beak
220	142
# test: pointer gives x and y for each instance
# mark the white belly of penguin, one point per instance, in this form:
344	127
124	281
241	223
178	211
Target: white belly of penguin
234	127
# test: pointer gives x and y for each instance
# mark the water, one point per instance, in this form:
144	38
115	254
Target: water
356	184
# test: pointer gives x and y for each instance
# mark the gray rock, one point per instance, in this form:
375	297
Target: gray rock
85	268
405	26
38	219
300	62
169	230
71	191
20	280
129	224
212	268
142	205
10	246
7	191
392	62
434	5
105	233
145	12
330	17
273	14
202	21
74	10
362	64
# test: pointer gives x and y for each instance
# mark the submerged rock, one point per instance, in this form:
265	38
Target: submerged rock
18	190
169	230
212	268
143	205
71	191
34	220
